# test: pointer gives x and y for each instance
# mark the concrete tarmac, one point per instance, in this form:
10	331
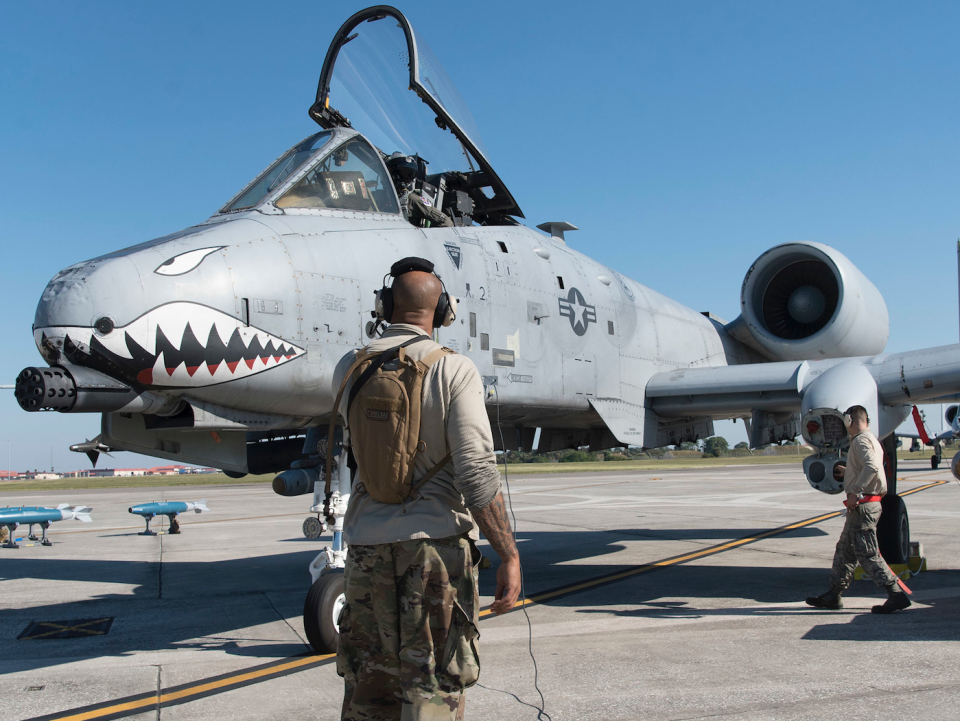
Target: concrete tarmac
207	624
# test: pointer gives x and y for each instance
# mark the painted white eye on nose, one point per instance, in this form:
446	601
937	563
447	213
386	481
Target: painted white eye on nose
185	262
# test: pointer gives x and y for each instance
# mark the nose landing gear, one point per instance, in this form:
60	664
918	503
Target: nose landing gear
321	611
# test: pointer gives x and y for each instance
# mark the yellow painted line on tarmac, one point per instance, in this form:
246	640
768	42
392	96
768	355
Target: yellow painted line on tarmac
126	707
243	678
205	687
684	558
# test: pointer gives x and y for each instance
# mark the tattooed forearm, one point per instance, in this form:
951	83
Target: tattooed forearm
495	525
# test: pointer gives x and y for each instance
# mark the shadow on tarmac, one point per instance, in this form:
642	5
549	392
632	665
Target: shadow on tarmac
199	604
938	621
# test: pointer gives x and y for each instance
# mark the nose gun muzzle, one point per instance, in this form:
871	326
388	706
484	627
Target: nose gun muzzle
81	390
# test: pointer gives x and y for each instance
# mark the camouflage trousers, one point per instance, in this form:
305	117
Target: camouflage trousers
858	542
408	631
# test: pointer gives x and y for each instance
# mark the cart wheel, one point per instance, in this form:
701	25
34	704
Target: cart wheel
321	612
312	528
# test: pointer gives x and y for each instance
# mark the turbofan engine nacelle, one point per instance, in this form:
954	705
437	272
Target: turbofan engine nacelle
806	300
951	417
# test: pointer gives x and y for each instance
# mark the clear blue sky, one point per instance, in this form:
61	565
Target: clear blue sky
682	138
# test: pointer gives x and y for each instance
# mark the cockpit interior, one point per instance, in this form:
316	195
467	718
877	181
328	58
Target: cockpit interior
420	155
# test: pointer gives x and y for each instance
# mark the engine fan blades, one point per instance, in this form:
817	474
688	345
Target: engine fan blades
815	293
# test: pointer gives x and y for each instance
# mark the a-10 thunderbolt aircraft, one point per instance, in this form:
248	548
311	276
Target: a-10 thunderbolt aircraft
216	345
936	441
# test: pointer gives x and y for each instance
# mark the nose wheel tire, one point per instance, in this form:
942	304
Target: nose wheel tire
934	462
321	612
312	528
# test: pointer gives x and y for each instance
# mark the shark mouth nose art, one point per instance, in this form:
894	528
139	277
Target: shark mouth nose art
177	345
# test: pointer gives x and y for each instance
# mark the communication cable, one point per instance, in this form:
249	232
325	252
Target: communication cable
541	709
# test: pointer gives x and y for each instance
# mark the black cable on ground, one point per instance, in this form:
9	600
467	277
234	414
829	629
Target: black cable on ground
541	710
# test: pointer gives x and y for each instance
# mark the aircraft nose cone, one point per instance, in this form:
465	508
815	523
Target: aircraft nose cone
86	292
95	295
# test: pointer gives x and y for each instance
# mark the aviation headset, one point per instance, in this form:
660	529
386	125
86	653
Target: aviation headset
446	310
848	419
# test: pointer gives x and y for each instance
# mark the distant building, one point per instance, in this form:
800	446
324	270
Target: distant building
164	471
174	470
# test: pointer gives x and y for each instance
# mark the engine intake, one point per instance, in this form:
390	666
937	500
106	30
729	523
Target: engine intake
801	301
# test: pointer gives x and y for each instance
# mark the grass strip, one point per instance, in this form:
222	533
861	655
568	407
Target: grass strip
69	484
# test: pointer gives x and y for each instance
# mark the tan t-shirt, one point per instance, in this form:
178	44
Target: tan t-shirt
453	419
864	473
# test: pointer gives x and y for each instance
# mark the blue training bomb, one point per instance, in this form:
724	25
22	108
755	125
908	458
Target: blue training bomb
14	516
170	509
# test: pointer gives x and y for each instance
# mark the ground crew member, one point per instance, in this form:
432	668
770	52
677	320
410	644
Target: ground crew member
865	484
408	630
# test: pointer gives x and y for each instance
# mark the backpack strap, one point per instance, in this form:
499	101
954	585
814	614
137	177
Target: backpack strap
431	473
426	363
360	359
376	365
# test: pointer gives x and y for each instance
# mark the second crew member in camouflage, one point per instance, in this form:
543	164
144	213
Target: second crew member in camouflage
408	631
864	483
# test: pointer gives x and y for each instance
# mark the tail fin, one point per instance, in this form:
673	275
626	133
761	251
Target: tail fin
200	505
82	513
64	506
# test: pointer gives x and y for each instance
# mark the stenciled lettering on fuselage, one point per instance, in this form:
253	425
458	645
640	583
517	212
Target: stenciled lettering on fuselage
580	313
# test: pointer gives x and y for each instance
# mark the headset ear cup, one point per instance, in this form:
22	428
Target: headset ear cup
385	304
451	312
440	312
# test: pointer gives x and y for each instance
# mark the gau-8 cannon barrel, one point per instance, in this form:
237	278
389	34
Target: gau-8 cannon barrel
75	389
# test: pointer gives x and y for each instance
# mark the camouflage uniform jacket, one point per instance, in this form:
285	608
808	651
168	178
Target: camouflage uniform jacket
864	473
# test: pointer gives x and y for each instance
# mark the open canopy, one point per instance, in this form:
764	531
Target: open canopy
374	62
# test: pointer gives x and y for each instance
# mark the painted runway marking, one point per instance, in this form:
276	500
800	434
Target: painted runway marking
130	705
608	578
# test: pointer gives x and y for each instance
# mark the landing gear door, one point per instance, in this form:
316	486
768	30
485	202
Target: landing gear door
380	77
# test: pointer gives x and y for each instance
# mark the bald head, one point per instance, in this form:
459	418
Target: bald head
415	296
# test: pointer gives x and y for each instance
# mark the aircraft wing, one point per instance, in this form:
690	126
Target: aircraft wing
945	436
898	379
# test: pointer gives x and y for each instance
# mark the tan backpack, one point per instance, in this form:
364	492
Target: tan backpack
383	415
